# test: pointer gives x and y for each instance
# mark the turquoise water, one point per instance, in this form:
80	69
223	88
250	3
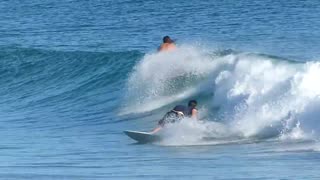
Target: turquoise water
75	74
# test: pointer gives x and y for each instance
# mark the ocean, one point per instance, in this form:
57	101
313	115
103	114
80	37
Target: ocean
75	74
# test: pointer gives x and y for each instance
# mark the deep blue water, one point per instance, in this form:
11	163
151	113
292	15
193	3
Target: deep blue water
75	74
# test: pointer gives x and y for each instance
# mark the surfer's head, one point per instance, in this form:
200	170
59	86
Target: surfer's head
167	39
192	103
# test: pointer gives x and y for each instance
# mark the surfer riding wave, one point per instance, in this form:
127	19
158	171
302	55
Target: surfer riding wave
177	114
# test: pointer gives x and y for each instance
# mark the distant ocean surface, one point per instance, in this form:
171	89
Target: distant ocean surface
75	74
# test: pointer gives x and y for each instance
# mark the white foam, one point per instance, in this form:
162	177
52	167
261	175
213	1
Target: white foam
192	132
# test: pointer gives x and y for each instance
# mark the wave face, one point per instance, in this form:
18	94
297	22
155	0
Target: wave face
254	95
60	86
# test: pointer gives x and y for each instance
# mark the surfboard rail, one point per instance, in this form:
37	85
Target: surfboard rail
142	137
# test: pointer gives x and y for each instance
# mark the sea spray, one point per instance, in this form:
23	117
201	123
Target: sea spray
163	78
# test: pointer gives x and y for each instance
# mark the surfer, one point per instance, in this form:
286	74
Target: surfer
167	45
178	113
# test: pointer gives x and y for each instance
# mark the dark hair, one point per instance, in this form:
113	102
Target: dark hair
167	39
192	103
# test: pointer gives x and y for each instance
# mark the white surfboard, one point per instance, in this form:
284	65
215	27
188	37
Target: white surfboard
143	137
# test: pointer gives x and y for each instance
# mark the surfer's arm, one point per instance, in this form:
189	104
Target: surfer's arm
194	114
160	48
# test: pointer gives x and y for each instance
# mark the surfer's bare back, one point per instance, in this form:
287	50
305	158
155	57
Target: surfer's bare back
167	45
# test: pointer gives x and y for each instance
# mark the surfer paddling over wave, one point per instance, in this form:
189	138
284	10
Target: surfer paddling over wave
177	114
167	45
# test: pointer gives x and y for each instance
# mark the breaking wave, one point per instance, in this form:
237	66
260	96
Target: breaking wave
247	95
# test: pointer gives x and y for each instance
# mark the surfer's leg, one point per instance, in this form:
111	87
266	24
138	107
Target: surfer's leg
156	129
